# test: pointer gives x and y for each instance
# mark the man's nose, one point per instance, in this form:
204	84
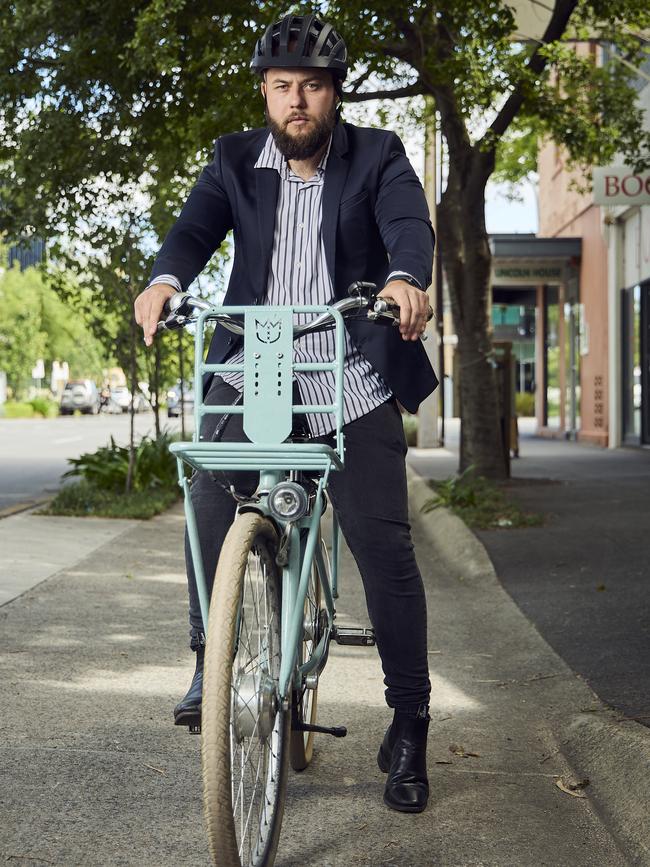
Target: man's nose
297	97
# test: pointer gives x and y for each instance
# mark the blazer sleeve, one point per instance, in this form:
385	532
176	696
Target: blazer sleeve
402	214
202	225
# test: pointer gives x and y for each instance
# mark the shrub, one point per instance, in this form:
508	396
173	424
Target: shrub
480	503
14	409
410	423
525	403
108	467
85	500
44	406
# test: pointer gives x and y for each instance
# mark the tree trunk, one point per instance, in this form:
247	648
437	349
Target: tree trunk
155	391
133	384
467	261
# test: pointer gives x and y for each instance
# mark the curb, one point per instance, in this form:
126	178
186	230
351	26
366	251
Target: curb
613	752
8	511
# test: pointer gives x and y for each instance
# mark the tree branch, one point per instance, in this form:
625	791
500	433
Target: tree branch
355	85
416	89
562	11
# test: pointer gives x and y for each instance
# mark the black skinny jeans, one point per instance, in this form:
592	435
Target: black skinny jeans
371	502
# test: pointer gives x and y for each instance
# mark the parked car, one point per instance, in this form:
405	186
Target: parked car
174	399
121	397
121	400
79	394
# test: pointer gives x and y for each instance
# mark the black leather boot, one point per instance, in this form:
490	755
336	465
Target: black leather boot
188	711
403	756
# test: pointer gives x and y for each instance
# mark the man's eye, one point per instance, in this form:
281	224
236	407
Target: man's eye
312	85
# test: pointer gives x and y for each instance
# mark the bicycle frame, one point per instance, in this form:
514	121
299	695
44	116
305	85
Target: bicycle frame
268	412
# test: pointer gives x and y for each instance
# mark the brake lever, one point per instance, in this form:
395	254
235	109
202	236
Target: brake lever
172	323
386	312
178	311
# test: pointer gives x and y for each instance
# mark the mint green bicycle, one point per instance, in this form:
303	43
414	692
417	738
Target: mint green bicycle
272	615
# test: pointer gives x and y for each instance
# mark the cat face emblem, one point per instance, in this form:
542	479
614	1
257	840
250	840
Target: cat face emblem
268	332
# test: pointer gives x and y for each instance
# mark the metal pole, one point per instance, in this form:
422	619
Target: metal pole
428	413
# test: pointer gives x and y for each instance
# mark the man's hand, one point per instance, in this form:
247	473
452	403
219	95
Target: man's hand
413	307
148	308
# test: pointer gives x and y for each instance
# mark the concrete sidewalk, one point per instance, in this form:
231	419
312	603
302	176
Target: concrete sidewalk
93	773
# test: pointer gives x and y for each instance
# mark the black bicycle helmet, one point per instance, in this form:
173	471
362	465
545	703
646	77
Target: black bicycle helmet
301	40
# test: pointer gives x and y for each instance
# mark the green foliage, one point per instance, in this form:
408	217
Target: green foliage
82	499
44	407
410	423
107	468
108	110
36	323
525	403
16	409
22	336
479	502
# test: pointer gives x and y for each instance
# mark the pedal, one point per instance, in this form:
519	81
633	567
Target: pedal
191	720
357	636
336	731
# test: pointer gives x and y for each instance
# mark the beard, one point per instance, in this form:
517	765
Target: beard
302	146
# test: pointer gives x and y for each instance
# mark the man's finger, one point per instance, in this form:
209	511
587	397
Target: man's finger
405	315
155	311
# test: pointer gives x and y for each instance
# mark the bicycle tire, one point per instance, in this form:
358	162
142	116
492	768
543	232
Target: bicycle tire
232	701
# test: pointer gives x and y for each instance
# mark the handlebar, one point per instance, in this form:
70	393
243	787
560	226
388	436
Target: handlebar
180	307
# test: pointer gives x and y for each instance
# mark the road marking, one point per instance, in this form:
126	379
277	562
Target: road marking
62	440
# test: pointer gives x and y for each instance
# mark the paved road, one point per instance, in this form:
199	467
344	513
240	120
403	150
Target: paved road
34	452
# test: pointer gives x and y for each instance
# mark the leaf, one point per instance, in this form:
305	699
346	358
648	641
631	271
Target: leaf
572	787
458	750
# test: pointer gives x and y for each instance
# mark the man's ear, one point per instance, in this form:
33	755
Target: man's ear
263	88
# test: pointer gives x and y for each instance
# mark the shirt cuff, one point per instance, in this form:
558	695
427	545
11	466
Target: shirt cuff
396	275
169	279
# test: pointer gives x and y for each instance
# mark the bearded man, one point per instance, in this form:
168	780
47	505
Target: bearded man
315	204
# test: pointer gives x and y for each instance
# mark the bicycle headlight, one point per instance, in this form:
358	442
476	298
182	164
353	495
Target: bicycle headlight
288	501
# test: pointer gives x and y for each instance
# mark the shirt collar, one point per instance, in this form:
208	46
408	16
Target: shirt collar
271	158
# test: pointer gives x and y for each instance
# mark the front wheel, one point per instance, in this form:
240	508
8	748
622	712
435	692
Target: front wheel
245	733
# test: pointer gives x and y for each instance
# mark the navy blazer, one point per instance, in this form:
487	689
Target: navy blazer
375	220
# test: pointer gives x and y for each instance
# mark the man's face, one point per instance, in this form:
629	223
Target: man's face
300	109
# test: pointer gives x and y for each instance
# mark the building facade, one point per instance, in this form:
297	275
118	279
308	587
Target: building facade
612	351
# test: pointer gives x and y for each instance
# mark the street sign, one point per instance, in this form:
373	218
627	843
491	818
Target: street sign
620	185
527	272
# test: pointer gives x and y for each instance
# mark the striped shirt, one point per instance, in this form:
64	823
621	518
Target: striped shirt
298	275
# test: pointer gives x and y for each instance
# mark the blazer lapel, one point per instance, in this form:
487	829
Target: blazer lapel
336	172
267	182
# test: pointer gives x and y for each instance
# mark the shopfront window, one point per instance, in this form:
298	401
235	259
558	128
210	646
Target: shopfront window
552	358
632	363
